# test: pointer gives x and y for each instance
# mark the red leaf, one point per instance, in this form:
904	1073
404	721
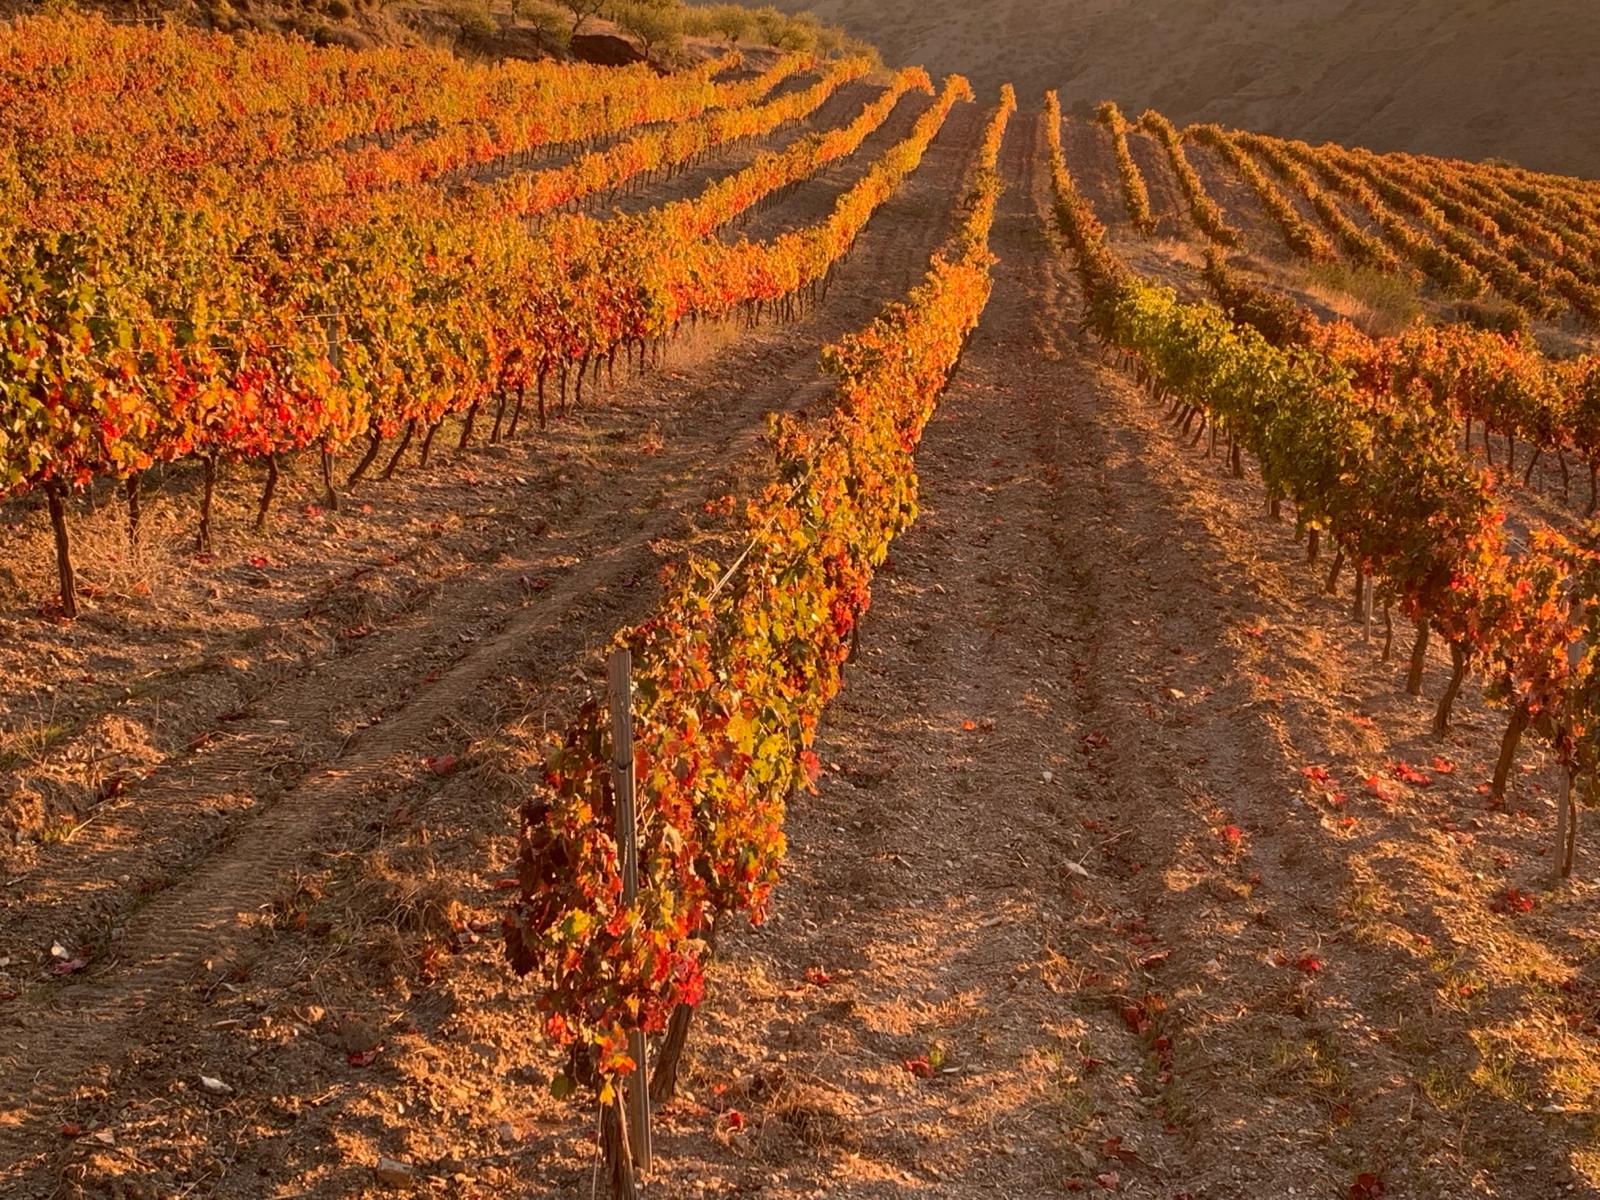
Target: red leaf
1411	775
1513	900
1309	963
1136	1019
1317	774
505	885
1376	787
1366	1187
71	1130
1108	1180
1443	765
363	1058
818	977
444	764
1232	835
734	1118
920	1067
70	966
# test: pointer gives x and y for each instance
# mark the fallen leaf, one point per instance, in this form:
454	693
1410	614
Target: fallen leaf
818	977
215	1086
443	764
919	1066
1410	774
1513	900
363	1058
1376	787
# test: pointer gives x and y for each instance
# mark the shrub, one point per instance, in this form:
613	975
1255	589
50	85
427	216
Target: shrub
1494	316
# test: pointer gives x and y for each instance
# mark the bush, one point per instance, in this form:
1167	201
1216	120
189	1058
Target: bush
1494	316
1390	301
339	10
548	22
731	22
474	19
657	27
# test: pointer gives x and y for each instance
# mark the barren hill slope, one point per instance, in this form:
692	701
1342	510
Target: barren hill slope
1474	78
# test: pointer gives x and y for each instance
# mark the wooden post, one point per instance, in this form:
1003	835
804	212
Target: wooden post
620	681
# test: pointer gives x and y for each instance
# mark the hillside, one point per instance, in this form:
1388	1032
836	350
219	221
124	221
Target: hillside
1471	78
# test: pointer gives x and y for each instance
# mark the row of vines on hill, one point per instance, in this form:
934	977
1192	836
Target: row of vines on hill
732	674
174	338
1368	457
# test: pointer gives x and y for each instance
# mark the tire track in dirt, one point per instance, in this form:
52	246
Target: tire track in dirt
70	1039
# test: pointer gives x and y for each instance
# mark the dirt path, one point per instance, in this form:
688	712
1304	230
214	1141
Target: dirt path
1166	197
513	637
1241	207
819	191
837	110
1087	147
1069	913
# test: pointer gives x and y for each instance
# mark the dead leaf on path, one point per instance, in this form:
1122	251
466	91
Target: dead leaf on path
1410	774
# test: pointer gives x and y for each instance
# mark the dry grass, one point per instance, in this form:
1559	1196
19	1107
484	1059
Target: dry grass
1378	304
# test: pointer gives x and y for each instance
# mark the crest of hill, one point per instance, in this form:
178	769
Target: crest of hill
1512	79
